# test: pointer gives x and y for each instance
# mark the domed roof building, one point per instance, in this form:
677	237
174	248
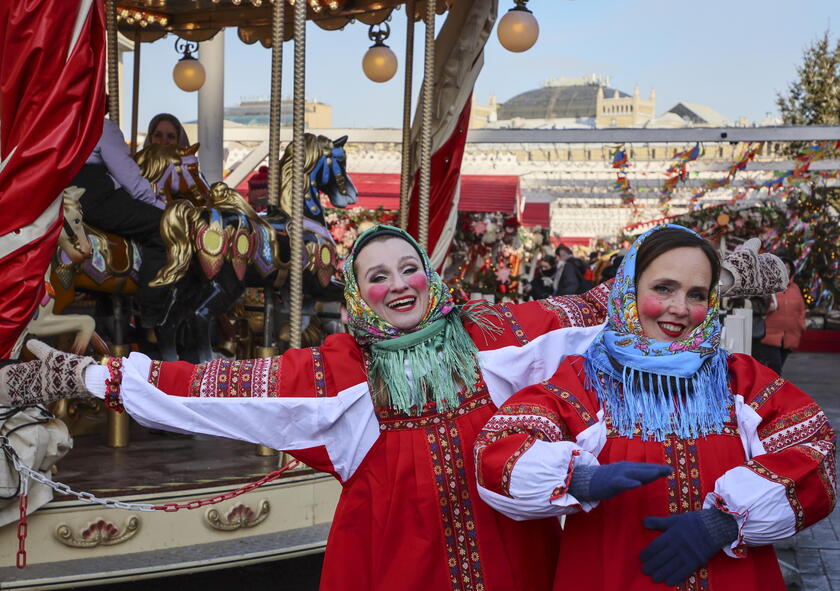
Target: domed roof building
576	102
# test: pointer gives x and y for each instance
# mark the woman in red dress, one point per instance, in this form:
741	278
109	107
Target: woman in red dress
392	410
676	463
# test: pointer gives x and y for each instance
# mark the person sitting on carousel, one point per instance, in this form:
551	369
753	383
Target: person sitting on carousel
119	199
166	129
392	410
736	458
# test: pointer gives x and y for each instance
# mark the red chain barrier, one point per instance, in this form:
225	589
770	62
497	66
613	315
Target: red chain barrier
172	507
22	529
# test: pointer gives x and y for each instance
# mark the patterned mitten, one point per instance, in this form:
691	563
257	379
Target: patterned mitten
746	273
53	376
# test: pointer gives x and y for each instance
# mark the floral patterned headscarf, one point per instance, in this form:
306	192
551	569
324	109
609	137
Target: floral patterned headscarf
365	325
424	368
675	387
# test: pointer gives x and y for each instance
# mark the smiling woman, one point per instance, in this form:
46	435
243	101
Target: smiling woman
654	401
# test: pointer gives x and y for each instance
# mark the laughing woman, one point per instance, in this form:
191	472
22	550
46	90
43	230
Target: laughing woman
735	457
392	410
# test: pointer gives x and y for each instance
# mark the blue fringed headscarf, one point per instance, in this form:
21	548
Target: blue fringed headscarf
678	387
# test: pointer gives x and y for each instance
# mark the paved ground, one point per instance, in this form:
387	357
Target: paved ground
811	559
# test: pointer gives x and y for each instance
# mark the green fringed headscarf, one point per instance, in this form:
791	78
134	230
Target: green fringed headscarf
429	364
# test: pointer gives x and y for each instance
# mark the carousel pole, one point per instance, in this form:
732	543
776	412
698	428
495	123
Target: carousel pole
117	430
278	25
405	172
135	90
426	126
113	58
296	222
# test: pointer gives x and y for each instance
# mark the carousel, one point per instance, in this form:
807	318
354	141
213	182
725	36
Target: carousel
125	503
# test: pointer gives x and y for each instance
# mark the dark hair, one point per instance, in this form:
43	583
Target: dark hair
661	241
563	248
183	141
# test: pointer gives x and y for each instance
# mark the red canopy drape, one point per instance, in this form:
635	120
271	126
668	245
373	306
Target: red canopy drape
52	62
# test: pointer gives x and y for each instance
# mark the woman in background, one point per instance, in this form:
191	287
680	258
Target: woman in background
165	129
784	325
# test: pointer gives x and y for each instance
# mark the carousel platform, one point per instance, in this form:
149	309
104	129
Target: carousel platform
75	544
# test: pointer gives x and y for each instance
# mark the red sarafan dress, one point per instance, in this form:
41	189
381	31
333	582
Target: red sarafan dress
409	516
772	468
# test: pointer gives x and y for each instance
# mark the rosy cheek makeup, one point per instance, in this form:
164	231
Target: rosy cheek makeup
418	282
651	308
376	294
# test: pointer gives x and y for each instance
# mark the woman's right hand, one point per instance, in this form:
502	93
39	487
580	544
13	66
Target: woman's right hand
596	483
52	376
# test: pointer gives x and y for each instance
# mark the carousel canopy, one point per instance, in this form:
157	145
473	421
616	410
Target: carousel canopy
199	20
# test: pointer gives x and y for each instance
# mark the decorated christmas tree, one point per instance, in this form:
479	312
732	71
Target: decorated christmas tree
811	232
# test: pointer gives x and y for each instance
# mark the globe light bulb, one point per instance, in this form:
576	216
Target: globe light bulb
518	30
379	63
188	74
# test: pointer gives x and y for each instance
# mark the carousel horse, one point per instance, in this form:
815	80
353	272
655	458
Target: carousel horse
74	248
210	248
173	172
218	250
325	165
325	171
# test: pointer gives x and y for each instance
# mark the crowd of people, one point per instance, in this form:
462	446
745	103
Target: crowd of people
460	433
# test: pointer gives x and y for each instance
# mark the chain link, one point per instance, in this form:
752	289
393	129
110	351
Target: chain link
23	527
27	473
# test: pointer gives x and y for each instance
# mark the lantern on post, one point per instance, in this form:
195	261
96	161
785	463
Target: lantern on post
188	73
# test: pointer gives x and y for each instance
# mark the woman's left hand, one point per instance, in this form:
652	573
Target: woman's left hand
688	542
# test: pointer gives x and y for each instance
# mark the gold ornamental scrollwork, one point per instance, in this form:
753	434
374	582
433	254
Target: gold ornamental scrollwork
239	516
98	533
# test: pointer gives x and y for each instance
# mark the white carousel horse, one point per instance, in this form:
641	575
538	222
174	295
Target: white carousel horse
73	247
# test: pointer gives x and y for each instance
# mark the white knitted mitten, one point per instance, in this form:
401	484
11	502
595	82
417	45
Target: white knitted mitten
746	273
53	376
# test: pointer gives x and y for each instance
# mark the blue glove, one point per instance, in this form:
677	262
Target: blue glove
596	483
689	541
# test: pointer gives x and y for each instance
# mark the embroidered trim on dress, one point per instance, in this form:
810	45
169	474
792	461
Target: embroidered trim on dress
390	420
572	401
456	511
236	379
515	327
685	494
318	370
790	490
154	372
767	393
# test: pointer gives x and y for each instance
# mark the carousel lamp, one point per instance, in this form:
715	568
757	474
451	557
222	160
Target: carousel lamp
315	5
188	73
518	29
379	63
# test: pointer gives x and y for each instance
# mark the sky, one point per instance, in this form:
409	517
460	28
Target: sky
733	55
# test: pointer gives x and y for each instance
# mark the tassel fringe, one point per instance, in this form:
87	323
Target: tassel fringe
661	405
435	368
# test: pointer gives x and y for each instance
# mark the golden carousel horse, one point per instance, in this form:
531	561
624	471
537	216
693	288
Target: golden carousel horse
173	172
218	250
